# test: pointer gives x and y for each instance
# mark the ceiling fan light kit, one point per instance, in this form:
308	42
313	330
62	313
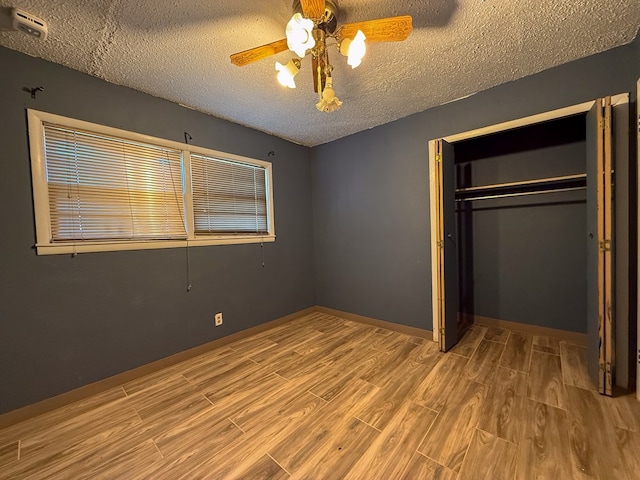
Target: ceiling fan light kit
286	73
328	100
312	30
300	34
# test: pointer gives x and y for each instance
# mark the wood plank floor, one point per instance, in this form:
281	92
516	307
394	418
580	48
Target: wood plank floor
327	398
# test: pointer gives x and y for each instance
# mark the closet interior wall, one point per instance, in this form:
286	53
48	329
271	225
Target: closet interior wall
523	258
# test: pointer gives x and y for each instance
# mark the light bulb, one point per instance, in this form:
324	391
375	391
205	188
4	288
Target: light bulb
299	34
354	49
287	72
329	101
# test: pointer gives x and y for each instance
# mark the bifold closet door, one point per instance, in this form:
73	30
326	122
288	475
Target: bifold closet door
447	246
600	329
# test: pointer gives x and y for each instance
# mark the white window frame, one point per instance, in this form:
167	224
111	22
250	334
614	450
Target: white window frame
44	244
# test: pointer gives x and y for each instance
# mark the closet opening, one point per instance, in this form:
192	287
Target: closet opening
521	218
529	226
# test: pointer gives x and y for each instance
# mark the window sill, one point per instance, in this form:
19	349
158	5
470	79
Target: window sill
92	247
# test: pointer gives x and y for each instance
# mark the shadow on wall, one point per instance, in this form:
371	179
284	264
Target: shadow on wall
431	14
5	19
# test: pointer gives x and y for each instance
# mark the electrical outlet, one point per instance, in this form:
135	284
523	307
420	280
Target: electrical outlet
218	319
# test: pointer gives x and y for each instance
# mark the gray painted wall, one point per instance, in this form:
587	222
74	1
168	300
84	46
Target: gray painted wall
371	196
66	322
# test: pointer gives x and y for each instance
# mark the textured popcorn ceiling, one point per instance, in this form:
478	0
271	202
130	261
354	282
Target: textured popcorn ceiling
180	51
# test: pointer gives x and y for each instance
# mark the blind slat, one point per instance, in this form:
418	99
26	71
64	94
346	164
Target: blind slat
107	188
228	197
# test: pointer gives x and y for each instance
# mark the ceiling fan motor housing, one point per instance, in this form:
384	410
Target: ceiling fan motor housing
329	20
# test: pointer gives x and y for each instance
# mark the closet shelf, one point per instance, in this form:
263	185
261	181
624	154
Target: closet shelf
525	187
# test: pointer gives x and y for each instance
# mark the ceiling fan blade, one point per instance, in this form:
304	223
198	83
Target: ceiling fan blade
258	53
392	29
312	8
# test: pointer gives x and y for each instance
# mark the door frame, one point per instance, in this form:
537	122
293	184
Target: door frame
496	128
637	352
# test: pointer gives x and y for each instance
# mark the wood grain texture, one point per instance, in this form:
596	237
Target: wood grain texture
176	444
382	372
312	8
470	341
114	383
258	53
427	353
423	467
592	437
282	412
392	29
546	344
9	453
374	322
628	445
312	435
483	363
387	402
228	413
265	469
435	389
55	417
497	334
449	437
544	450
517	352
339	455
574	361
392	450
545	380
609	236
139	458
504	411
512	378
571	337
489	457
624	410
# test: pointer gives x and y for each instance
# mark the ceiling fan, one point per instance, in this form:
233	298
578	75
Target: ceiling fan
312	30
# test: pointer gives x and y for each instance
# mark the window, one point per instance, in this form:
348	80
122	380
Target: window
228	196
98	188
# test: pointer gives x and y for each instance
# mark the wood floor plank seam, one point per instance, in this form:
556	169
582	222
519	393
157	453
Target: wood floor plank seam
156	445
428	457
239	427
505	439
503	352
367	423
276	462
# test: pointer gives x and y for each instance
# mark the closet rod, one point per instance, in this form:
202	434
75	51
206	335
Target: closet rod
578	176
520	194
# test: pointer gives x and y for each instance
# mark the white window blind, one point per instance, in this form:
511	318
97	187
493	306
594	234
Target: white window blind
107	188
228	197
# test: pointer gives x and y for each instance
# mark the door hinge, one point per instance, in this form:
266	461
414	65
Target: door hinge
440	243
605	245
438	158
